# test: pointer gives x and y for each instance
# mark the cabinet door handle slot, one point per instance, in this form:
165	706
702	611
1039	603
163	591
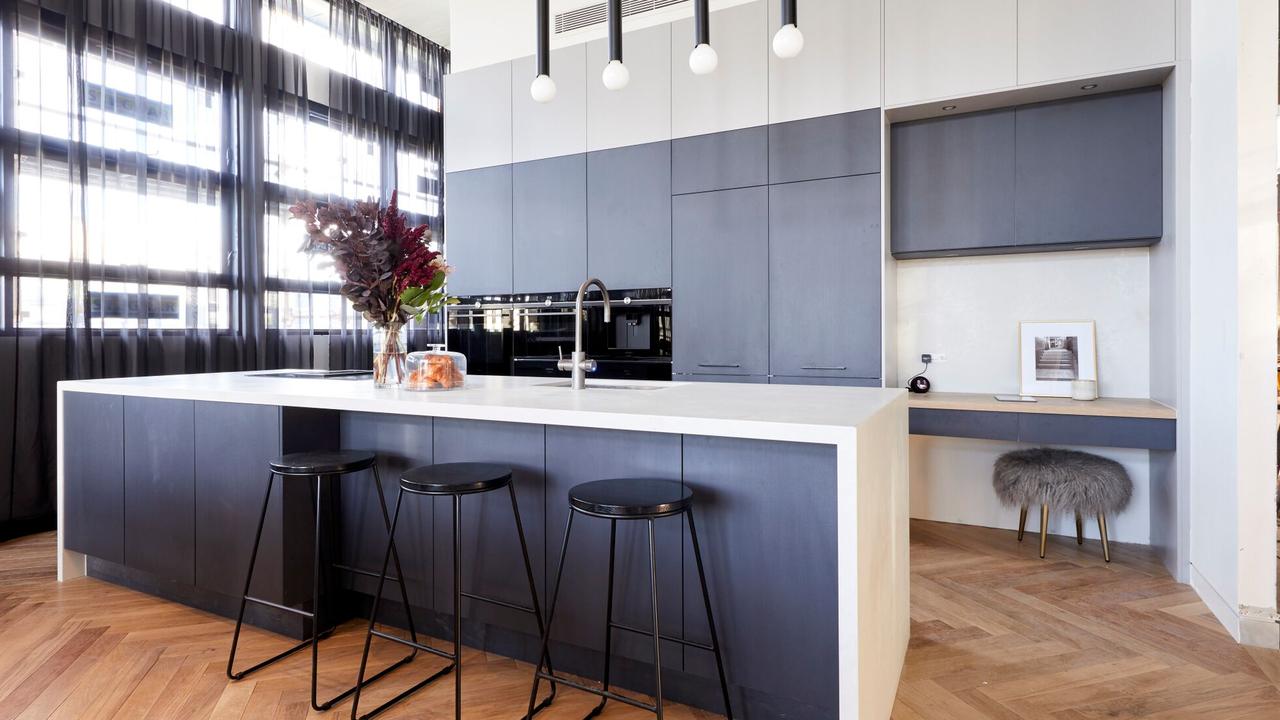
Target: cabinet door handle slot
824	367
718	365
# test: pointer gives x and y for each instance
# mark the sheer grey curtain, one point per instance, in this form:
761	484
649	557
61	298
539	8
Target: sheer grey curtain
150	148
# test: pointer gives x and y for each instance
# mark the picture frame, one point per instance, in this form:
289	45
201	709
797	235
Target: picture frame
1053	354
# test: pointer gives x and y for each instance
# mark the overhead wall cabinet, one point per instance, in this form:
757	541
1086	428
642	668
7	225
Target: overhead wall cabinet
1071	174
479	117
478	230
549	219
629	216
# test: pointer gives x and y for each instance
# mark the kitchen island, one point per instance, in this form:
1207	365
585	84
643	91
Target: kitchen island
800	495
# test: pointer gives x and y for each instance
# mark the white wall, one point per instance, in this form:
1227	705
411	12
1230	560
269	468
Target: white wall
968	309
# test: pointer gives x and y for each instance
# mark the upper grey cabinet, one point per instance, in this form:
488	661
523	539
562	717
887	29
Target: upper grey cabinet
1090	170
549	246
478	230
640	112
720	161
477	110
824	281
542	130
736	95
720	244
951	188
823	147
629	216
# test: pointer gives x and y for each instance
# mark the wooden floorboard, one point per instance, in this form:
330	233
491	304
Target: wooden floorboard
996	633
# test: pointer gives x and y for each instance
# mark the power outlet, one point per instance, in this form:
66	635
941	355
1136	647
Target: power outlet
928	358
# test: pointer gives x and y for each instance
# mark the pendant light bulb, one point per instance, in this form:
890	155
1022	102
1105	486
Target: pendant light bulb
788	41
616	75
543	89
703	60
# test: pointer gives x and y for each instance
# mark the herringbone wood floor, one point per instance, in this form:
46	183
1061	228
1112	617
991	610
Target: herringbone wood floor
997	633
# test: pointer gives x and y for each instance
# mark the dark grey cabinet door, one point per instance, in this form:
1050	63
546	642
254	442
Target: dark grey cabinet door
825	147
750	379
491	560
629	216
766	520
720	161
578	455
235	443
549	248
824	280
93	474
401	442
159	487
951	189
1090	170
834	382
478	230
720	246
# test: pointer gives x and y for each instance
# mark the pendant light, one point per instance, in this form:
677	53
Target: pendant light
615	76
543	88
703	59
788	41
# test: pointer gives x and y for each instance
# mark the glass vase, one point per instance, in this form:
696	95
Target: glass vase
390	349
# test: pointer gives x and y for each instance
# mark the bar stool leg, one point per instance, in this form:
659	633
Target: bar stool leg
248	579
457	606
395	558
1044	527
1079	530
711	621
533	594
315	601
1022	522
653	598
608	620
551	613
1102	531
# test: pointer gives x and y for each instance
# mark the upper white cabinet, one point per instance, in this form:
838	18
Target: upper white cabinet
839	69
477	115
1058	39
640	112
543	130
950	48
736	95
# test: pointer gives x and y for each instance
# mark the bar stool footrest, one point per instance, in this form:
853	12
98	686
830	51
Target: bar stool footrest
495	601
668	638
599	692
417	646
406	693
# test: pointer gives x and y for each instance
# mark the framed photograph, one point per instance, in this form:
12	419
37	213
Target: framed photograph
1055	353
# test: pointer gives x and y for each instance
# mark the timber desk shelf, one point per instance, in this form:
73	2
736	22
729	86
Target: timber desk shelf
1105	422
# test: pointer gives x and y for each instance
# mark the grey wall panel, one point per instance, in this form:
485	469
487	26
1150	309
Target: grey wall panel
234	443
824	283
1090	169
629	216
720	245
1150	433
964	423
824	147
93	427
834	382
951	188
401	442
578	455
766	517
720	161
478	230
549	241
491	560
159	487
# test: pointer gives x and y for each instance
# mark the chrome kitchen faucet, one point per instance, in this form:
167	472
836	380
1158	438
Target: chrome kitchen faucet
578	363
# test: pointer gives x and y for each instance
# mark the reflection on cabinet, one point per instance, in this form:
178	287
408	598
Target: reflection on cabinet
721	263
549	221
93	474
949	48
159	487
478	112
824	282
542	130
1090	37
629	216
951	188
640	112
478	235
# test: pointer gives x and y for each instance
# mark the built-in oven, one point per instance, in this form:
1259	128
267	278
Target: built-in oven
482	331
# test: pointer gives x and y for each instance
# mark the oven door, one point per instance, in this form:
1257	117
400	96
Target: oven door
485	337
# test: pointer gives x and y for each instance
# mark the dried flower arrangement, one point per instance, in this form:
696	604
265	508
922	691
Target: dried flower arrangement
388	269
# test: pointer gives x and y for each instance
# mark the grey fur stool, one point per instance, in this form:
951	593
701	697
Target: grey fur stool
1063	479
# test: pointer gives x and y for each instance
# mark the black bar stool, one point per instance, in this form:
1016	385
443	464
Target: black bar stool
632	499
453	480
315	466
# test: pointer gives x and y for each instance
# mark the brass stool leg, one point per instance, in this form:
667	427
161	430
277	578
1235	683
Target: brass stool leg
1102	530
1022	522
1079	530
1044	527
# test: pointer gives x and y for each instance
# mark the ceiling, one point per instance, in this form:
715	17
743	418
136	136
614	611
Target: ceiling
429	18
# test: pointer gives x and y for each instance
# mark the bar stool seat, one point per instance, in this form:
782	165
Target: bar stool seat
323	462
463	478
631	498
